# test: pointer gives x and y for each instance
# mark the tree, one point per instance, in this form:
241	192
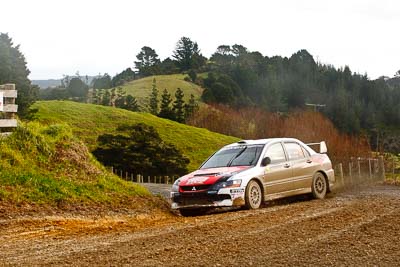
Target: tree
77	88
131	103
193	75
239	50
169	66
148	61
120	98
191	107
153	103
139	149
102	82
187	55
123	77
106	97
13	69
397	74
179	106
165	107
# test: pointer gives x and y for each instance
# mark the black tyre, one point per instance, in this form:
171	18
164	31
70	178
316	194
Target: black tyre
254	197
192	212
319	186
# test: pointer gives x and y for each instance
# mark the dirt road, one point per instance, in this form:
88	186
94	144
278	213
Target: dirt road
358	228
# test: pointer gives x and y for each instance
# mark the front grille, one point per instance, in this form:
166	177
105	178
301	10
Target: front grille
195	187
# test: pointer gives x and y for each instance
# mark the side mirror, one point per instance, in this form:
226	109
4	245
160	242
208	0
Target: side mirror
265	161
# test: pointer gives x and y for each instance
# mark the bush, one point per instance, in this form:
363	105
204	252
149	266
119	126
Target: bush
139	149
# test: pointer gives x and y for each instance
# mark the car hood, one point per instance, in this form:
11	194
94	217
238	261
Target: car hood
210	176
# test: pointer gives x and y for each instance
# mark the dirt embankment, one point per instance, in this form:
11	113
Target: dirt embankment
360	228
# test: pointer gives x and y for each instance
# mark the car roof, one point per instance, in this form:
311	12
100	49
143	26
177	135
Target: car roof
264	141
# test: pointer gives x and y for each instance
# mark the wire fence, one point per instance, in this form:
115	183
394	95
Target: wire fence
348	173
139	178
364	170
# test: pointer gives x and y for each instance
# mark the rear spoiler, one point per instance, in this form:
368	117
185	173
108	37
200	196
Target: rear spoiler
322	146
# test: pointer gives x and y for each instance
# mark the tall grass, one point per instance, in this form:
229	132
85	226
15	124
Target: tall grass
254	123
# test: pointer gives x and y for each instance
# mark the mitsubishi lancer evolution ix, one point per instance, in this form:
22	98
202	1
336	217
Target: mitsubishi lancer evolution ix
249	172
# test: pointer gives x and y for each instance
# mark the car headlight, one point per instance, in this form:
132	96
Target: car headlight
227	184
175	186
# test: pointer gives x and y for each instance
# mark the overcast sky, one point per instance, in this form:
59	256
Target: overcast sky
64	36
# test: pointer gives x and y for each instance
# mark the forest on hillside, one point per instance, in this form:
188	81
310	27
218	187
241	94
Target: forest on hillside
239	78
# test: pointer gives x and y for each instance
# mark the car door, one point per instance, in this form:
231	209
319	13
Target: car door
301	164
278	172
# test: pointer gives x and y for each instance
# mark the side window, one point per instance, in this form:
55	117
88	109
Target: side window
294	151
275	153
306	153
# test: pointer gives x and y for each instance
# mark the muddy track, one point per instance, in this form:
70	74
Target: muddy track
350	228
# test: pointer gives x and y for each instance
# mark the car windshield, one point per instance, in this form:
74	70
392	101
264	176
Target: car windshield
244	155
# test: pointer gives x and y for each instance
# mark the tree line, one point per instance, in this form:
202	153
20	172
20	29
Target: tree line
165	107
238	77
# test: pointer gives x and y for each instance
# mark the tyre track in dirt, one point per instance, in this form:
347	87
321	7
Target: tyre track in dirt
351	228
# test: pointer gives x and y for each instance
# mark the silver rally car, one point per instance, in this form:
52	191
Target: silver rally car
249	172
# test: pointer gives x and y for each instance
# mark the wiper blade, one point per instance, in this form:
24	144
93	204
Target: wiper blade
236	156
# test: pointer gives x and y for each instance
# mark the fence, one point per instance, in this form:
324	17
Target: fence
8	108
355	171
138	178
361	170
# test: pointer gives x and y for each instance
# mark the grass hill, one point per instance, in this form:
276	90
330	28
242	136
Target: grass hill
46	165
141	88
89	121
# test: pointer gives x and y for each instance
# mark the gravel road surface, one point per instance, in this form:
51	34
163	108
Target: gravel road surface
357	228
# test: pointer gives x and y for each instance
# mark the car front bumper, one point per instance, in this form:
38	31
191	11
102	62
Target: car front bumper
226	197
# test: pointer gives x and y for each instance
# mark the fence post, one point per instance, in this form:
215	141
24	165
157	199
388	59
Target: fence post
393	177
359	169
341	174
370	169
137	178
382	166
350	174
148	178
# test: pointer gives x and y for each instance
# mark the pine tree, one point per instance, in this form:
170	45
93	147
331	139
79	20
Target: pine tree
179	106
106	99
191	107
165	108
154	99
131	103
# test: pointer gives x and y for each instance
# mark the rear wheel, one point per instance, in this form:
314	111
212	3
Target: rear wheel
253	195
192	212
319	186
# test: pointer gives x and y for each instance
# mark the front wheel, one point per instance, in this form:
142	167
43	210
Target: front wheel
319	186
253	195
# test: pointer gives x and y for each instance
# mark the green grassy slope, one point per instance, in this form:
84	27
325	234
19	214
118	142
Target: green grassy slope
89	121
46	164
141	88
